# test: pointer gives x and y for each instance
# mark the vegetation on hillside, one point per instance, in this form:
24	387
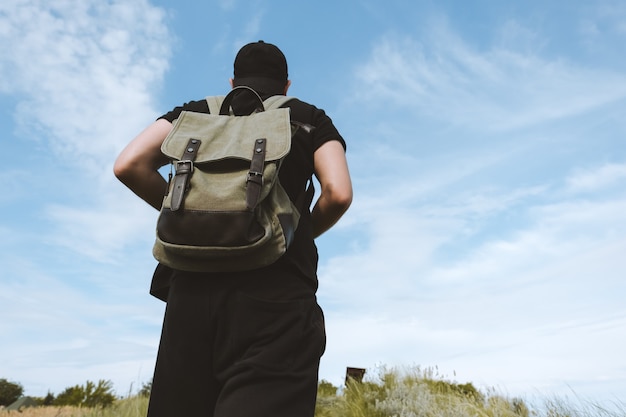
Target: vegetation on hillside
392	393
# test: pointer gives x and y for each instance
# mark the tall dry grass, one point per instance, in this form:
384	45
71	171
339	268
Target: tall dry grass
45	412
130	407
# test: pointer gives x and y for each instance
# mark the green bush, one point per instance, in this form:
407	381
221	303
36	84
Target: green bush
9	392
326	389
146	389
89	395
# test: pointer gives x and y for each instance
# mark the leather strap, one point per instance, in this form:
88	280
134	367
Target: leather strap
225	108
184	169
254	182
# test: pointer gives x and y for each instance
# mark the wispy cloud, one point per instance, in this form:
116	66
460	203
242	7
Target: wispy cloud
83	76
249	31
65	334
117	221
598	179
498	89
84	72
462	255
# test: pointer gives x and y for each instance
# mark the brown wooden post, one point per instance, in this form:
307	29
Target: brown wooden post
354	374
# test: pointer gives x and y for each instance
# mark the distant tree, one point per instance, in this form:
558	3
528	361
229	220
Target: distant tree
9	392
71	396
146	389
100	395
89	395
48	399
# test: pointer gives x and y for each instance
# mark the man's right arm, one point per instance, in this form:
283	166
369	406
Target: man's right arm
138	164
331	170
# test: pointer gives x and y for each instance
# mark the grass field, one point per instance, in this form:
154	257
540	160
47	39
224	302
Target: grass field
130	407
393	394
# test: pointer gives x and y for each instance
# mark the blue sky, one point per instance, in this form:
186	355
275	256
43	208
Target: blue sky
486	140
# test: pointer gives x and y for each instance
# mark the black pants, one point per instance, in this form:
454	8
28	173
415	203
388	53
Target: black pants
228	351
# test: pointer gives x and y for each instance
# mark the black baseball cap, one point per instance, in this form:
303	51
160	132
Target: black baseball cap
261	66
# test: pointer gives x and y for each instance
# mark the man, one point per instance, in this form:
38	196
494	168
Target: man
246	343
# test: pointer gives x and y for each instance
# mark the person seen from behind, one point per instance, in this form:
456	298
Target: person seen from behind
246	343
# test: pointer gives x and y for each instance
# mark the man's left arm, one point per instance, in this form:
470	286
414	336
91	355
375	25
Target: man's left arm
331	170
138	164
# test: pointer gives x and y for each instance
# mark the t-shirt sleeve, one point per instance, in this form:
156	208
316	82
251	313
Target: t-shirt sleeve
325	130
199	106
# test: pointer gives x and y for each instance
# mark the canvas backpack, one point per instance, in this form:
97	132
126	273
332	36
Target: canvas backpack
225	209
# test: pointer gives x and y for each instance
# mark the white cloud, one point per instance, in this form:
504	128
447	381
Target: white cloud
486	232
83	72
454	265
405	246
250	30
70	325
597	179
104	233
495	90
522	303
84	75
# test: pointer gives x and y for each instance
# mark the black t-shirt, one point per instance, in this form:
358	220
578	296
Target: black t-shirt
295	273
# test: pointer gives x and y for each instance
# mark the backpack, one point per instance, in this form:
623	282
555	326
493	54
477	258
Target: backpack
225	209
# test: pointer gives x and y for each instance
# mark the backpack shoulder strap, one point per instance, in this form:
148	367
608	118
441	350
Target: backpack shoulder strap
275	102
305	197
215	103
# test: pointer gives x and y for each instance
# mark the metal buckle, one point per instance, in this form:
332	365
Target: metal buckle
185	169
254	174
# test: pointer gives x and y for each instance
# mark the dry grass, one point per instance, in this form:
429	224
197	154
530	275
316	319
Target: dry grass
131	407
46	412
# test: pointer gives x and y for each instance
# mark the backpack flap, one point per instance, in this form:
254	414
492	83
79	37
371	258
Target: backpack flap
217	133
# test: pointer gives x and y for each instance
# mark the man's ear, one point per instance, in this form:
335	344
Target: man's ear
232	83
287	86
